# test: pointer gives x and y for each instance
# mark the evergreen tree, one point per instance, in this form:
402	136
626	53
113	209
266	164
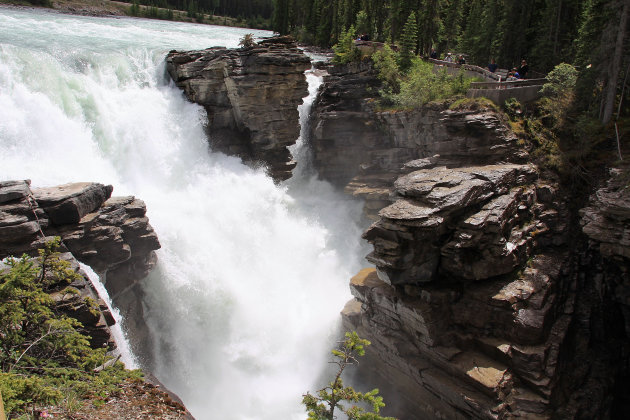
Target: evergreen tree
472	36
335	396
601	50
429	25
408	42
362	24
280	18
451	21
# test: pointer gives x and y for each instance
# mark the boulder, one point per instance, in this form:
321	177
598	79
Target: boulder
21	220
607	219
472	222
116	240
67	204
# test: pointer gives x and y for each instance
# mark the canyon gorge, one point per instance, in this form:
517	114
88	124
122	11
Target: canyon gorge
495	292
491	290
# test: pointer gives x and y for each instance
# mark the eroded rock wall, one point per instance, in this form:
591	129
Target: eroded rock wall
486	299
251	97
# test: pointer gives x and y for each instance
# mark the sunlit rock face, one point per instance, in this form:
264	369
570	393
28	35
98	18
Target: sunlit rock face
490	295
251	97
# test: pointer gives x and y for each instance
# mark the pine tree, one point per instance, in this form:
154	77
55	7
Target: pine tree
429	25
334	396
280	18
451	20
408	42
600	49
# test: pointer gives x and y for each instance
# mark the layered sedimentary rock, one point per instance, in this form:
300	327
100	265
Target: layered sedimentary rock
111	235
485	300
462	306
251	97
364	150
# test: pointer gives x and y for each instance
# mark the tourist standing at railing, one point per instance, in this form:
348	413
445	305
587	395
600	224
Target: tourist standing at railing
523	69
493	66
449	58
513	75
434	54
461	60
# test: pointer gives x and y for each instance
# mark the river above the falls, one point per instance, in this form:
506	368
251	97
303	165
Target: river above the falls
244	304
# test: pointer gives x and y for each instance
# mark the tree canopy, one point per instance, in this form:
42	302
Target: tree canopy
592	35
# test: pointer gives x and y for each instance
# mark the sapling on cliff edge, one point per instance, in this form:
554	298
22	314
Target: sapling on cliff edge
330	398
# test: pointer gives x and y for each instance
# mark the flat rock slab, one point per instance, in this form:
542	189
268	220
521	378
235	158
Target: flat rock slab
68	203
13	190
446	188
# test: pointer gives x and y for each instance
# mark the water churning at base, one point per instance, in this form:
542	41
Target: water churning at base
245	300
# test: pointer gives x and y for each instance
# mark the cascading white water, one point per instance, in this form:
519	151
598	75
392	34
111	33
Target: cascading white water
123	351
244	303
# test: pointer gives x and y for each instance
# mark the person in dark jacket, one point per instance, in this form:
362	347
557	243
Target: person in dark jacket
523	69
493	66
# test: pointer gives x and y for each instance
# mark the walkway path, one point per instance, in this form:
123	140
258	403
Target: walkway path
494	88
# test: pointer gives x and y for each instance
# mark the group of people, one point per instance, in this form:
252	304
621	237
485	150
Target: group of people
450	58
515	74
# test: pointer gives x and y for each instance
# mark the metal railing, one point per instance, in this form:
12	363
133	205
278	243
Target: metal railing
470	67
508	84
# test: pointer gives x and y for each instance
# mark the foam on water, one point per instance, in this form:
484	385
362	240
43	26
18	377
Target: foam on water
245	301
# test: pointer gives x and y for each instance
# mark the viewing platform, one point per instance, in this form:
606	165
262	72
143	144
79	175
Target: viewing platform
495	88
524	90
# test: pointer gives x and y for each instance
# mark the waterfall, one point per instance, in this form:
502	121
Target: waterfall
122	345
244	304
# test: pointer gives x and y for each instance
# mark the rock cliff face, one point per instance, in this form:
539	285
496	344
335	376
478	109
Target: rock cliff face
365	150
486	299
111	235
251	97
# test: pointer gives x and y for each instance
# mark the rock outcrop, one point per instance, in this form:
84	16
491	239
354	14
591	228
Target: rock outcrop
486	300
462	301
251	97
111	235
364	150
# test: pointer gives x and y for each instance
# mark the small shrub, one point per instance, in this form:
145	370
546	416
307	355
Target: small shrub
561	80
473	104
385	63
513	108
345	50
421	84
247	41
